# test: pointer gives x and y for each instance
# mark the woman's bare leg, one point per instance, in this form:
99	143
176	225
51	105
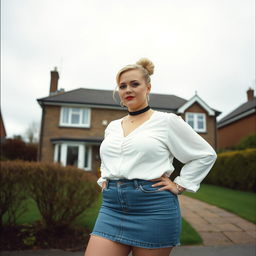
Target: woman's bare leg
98	246
137	251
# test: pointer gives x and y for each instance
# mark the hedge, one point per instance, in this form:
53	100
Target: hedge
247	142
12	191
61	193
14	149
235	170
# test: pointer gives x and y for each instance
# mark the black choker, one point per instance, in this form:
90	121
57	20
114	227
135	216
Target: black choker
139	111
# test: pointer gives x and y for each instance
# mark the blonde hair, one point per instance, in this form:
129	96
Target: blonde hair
144	65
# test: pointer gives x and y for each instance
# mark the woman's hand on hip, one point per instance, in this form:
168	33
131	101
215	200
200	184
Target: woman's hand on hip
104	185
167	184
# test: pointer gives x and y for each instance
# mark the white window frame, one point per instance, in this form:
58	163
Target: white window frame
79	125
195	126
81	151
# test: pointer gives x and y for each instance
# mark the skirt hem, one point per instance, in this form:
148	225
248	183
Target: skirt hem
130	242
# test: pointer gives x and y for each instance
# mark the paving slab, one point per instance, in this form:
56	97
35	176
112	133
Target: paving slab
239	237
213	238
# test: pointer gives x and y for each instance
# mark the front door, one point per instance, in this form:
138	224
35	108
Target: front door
72	155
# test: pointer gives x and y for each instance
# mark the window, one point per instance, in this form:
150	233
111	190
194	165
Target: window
76	154
197	121
75	117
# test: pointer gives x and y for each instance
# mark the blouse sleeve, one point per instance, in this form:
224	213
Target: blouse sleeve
192	150
101	180
102	168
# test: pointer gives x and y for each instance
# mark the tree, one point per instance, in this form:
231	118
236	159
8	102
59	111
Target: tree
17	137
32	132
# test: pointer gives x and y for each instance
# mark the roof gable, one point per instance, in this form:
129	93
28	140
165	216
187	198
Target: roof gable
197	99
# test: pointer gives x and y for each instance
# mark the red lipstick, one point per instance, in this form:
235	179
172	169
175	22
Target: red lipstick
129	98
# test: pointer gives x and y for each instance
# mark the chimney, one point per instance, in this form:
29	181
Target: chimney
54	81
250	94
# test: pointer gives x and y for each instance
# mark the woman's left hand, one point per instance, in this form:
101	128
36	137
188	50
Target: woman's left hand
167	184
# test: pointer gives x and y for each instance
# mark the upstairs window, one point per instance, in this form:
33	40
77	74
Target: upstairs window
197	121
75	117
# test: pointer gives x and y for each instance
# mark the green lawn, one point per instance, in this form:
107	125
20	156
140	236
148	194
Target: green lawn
236	201
30	215
188	235
89	217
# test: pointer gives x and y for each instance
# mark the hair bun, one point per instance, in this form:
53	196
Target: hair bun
147	64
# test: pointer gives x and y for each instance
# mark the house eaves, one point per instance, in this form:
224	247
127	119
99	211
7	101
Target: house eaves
244	110
104	99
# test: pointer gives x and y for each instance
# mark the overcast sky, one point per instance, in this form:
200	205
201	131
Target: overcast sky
206	46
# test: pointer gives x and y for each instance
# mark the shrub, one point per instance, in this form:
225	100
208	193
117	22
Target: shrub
234	169
12	191
61	193
247	142
13	149
30	153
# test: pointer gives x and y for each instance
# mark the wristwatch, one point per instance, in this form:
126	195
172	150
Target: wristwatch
179	188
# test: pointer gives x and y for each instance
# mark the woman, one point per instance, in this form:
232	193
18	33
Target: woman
140	210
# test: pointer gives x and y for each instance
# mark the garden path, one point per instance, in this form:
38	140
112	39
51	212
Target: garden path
215	225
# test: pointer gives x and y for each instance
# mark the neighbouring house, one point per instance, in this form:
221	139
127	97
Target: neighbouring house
239	123
73	122
2	129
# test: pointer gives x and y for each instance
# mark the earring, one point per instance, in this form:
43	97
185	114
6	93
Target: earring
122	104
148	97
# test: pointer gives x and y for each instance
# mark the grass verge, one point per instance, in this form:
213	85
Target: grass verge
239	202
188	235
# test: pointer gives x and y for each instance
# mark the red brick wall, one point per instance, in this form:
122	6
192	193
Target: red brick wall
210	134
231	134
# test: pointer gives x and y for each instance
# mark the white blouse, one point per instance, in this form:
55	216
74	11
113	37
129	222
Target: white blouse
148	151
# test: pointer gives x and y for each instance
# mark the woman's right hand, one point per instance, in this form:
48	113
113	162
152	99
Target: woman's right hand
104	185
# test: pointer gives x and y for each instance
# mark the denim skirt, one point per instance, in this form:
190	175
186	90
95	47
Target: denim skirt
136	214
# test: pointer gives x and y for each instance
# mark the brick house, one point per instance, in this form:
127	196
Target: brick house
239	123
73	122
